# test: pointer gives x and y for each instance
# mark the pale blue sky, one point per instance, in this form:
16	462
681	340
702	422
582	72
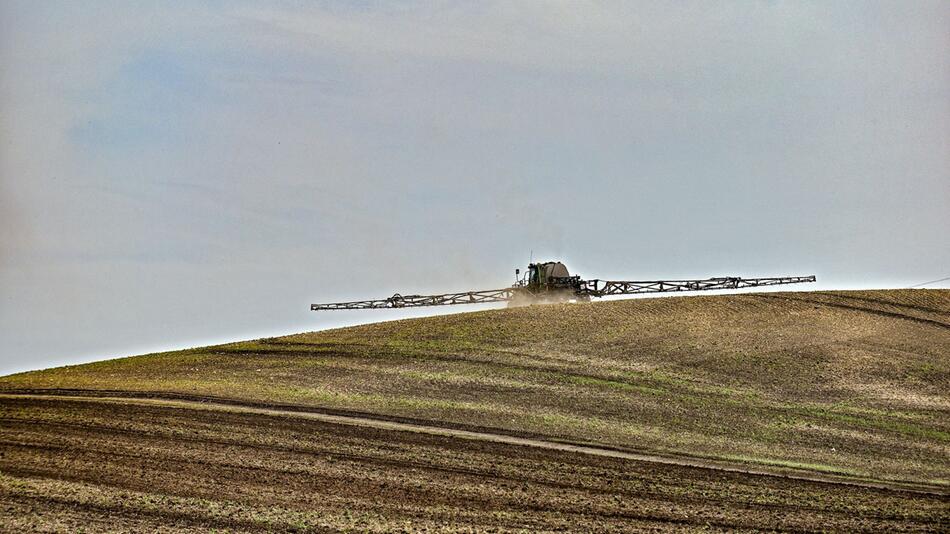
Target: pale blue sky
174	174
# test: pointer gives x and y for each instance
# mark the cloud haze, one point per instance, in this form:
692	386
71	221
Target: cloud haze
175	174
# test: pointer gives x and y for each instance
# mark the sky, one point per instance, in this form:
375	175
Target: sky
174	174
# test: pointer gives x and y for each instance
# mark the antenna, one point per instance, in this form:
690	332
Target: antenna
531	258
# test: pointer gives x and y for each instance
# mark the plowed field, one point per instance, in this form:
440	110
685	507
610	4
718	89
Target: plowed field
73	465
781	411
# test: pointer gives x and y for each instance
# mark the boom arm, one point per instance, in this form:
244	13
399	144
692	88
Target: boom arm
410	301
603	288
581	288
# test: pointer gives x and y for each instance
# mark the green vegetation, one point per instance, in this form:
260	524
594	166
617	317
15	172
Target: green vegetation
847	382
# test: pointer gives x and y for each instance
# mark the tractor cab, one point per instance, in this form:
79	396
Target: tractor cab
546	282
545	276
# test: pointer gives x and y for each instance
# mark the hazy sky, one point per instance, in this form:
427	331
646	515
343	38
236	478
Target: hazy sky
174	174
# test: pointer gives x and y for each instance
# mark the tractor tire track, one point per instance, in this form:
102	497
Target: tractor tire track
863	309
371	460
486	435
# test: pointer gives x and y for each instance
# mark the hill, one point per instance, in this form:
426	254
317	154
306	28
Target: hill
823	386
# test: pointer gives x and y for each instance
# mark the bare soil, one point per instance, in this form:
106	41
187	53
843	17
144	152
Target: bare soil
854	382
69	466
830	387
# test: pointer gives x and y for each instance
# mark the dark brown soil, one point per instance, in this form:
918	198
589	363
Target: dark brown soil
848	382
67	466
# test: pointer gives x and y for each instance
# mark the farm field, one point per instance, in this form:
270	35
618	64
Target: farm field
844	392
69	465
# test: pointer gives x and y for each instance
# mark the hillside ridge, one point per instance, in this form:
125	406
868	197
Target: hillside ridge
848	382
